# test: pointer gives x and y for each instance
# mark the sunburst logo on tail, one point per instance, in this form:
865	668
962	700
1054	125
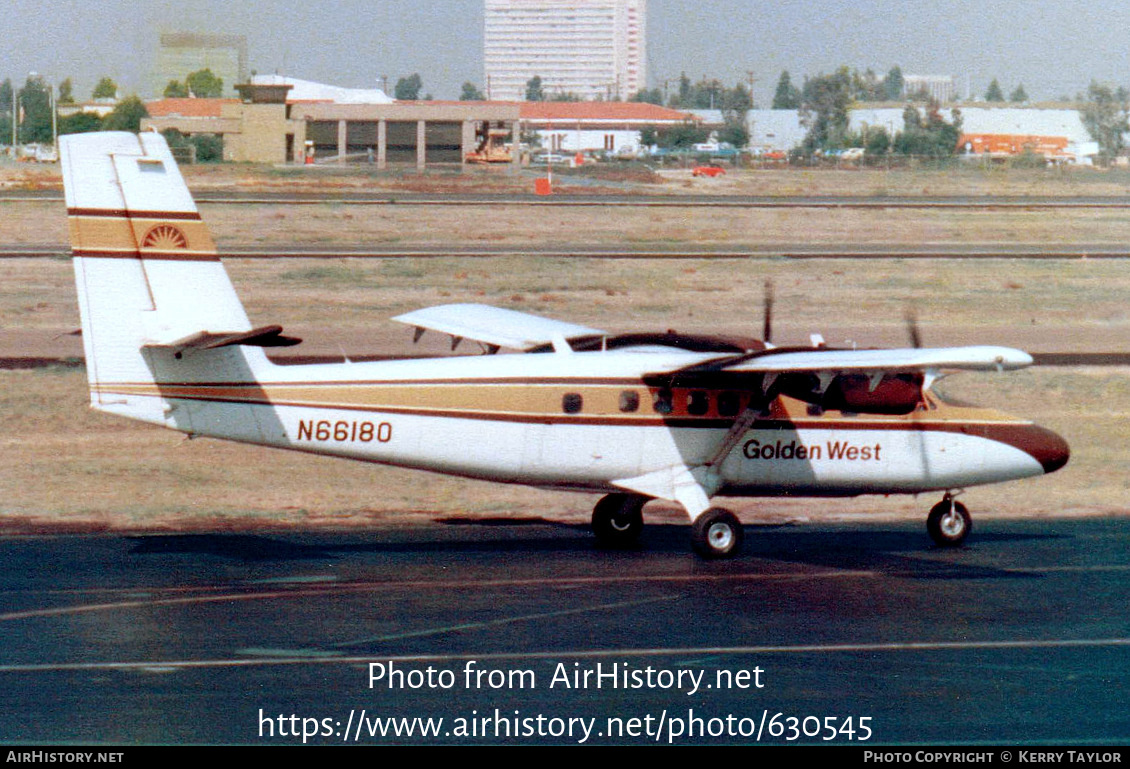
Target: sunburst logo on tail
164	237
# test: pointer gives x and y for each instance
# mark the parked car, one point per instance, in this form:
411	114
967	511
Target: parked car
711	171
552	158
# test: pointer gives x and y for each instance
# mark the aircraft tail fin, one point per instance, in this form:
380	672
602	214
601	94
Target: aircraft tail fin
148	276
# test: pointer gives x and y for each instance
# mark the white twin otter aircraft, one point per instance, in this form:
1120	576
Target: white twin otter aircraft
633	416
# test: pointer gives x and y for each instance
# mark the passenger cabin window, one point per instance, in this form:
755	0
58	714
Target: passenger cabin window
663	402
629	401
572	403
698	402
729	403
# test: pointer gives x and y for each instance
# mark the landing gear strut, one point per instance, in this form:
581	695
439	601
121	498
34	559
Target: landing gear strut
949	522
717	533
617	519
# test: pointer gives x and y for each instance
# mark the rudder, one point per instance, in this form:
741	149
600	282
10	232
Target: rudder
147	273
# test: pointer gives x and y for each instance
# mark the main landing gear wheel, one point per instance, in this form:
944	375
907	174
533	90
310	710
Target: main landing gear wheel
617	519
949	523
717	533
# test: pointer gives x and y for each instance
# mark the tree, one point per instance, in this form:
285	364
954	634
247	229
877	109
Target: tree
734	132
6	97
683	98
1105	116
649	137
66	92
737	99
176	90
824	110
928	135
1018	94
471	93
867	86
893	84
35	111
204	85
994	93
80	122
652	96
683	135
876	141
408	88
105	89
126	116
209	148
534	90
787	95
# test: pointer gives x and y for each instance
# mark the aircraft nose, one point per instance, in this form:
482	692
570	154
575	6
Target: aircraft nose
1048	448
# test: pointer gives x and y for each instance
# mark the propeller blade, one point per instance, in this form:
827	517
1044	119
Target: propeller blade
912	331
767	328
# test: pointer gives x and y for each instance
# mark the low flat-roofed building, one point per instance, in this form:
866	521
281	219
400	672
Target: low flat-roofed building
271	124
611	126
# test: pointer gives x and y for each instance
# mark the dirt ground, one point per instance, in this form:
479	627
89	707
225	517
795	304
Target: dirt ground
64	467
636	177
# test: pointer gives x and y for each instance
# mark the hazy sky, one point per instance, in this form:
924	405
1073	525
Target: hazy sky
1053	48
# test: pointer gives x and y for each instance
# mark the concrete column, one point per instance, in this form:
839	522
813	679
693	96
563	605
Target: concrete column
516	152
421	144
299	141
382	144
468	140
341	146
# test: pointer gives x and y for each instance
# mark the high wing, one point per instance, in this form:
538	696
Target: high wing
494	327
782	360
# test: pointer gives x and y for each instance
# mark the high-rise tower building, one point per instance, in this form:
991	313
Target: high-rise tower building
595	49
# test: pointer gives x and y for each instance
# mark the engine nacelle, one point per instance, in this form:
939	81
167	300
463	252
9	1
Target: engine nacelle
894	393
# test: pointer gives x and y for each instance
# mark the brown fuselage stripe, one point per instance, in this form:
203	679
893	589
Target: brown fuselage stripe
120	213
711	422
168	256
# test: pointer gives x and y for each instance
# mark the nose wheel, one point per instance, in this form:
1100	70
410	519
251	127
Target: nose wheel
949	523
717	533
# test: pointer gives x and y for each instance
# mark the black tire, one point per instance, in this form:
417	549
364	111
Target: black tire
617	519
717	533
949	523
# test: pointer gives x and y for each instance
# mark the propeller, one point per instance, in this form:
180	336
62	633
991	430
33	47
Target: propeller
767	328
911	318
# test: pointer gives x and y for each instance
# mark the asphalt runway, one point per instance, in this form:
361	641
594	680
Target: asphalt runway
523	631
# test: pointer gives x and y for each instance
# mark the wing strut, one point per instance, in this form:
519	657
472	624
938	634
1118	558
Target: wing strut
740	427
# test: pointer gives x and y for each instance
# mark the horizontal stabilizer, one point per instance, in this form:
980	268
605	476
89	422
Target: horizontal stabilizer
264	336
493	325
